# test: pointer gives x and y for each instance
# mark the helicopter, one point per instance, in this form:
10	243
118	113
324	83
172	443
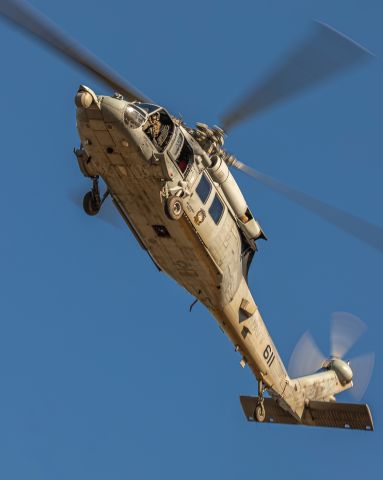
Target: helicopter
173	186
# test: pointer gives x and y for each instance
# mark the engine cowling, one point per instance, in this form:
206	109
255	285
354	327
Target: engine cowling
221	174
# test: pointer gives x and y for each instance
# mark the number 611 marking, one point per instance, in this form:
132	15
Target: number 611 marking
268	355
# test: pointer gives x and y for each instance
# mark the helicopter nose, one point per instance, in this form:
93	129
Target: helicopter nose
109	109
112	109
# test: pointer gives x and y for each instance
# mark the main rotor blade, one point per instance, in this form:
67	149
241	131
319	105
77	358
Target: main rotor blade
38	25
306	357
362	368
324	53
345	331
365	231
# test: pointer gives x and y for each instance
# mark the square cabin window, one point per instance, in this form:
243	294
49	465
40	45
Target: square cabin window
216	209
203	189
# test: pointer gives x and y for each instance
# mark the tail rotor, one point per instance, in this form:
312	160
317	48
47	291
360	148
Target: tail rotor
346	329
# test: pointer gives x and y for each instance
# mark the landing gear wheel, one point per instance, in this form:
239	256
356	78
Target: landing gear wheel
260	413
174	208
90	205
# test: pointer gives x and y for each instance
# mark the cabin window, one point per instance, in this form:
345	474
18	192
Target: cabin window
203	189
216	209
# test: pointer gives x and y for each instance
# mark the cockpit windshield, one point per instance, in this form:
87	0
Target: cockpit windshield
134	117
147	107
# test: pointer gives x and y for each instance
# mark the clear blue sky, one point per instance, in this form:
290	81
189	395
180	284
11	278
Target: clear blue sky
104	374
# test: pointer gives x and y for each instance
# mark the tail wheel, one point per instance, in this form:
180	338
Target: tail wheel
260	412
174	208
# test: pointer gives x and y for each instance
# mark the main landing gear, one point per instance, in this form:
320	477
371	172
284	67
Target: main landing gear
92	201
174	207
260	412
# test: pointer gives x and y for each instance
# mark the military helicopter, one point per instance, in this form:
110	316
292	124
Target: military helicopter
173	186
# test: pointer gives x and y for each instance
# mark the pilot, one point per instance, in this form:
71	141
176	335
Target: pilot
154	126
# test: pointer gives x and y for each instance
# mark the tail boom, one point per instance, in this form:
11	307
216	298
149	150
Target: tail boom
243	324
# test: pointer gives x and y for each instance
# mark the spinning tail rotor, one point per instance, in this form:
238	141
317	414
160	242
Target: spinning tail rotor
346	329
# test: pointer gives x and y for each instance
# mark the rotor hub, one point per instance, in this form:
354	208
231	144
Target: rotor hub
341	368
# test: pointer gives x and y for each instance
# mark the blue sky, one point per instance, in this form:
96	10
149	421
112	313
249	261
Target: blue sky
103	371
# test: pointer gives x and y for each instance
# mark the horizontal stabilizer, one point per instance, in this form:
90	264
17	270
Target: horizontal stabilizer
316	414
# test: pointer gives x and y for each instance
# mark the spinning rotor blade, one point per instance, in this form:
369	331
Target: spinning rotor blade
306	357
362	368
345	331
365	231
34	23
325	53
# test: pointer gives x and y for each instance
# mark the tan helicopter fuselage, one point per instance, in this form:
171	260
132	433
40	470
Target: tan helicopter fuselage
205	250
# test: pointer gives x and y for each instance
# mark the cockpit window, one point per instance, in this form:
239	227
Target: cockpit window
133	116
147	107
203	189
159	128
